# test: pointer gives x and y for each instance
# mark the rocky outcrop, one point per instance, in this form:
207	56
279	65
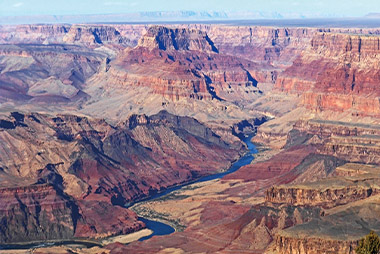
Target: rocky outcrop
248	127
327	129
43	212
37	34
337	232
325	197
102	219
95	35
335	44
183	63
36	212
350	141
289	245
46	73
177	39
278	46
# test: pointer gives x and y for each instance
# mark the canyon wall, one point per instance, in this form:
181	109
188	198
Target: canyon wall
36	212
325	197
354	142
83	170
183	63
336	72
289	245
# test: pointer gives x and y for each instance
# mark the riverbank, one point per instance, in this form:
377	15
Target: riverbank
73	245
86	243
179	186
128	238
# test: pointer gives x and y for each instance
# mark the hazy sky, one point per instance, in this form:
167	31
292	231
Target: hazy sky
346	8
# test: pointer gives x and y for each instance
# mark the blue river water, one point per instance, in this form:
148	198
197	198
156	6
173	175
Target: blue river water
157	227
160	228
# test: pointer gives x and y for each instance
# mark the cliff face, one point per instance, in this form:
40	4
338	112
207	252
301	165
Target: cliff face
337	72
329	197
36	212
327	234
183	63
348	194
350	141
288	245
33	33
95	35
357	45
176	39
278	46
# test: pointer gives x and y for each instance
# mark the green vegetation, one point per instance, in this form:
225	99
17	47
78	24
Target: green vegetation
370	244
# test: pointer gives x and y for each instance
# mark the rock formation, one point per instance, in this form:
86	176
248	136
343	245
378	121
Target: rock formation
46	73
337	72
99	139
189	67
177	39
78	170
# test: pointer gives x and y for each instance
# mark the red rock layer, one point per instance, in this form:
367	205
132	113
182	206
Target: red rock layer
36	212
102	219
179	63
338	72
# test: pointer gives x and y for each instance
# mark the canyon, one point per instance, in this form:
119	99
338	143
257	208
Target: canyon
96	119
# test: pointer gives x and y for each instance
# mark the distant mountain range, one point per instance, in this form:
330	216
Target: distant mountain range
159	16
373	15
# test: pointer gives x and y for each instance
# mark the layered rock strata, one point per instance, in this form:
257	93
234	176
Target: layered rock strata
336	72
180	63
351	141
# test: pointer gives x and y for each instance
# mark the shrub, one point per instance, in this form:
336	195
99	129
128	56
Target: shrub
370	244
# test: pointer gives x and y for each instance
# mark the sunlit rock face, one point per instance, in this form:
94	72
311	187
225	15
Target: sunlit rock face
337	72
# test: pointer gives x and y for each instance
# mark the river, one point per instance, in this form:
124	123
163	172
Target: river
160	228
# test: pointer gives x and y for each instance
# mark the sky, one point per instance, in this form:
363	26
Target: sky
340	8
